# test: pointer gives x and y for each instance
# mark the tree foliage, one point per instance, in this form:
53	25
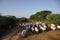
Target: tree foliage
54	18
40	15
5	22
22	19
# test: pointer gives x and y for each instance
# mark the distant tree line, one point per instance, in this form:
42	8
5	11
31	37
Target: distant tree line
22	19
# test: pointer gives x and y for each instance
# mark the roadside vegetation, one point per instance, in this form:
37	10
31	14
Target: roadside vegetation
9	22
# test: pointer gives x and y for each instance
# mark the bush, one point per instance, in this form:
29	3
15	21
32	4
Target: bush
5	22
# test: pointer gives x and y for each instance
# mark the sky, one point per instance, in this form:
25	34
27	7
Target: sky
25	8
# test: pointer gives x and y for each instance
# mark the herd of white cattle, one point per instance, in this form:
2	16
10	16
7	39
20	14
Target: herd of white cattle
37	27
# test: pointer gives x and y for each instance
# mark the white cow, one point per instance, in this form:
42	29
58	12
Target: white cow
43	27
32	28
23	24
58	26
36	30
53	27
24	32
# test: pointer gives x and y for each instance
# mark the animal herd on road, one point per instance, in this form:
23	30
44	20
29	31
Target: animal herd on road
37	27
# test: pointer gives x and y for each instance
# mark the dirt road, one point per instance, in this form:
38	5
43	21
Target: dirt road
12	36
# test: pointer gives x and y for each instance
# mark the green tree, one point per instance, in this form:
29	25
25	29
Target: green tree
54	18
39	16
22	19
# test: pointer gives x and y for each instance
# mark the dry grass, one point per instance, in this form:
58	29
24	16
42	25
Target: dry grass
50	35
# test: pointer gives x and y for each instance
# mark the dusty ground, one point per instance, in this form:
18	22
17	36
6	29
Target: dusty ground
50	35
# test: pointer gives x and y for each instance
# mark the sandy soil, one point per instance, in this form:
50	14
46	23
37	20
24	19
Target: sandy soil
50	35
